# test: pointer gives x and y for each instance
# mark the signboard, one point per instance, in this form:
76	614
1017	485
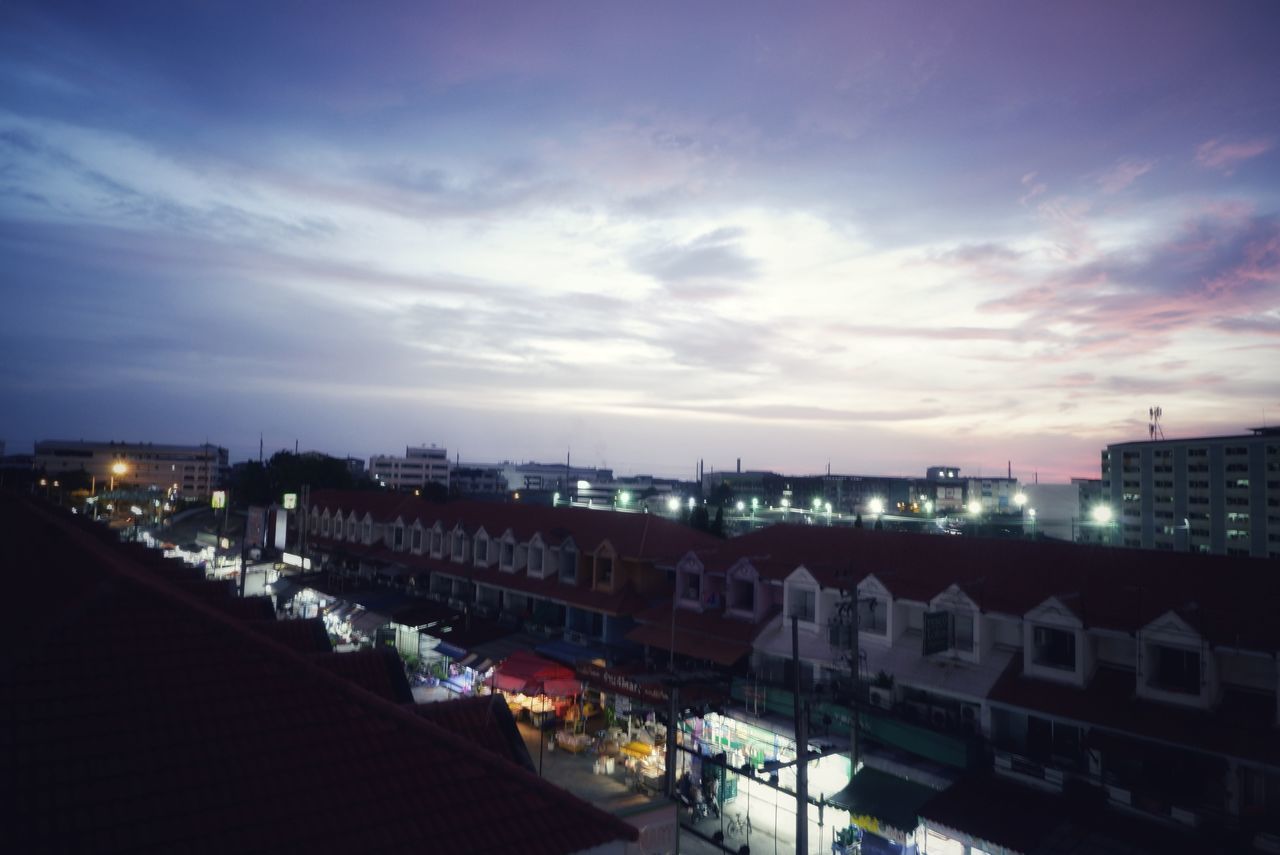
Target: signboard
290	501
219	499
937	632
623	684
282	530
255	527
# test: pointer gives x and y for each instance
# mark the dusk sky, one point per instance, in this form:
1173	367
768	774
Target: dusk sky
876	235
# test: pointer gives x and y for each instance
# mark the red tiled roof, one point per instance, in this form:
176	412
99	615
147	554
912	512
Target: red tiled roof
1239	727
635	536
1231	600
136	716
378	670
721	651
484	721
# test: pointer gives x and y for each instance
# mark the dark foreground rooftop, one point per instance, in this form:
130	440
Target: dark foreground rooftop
136	714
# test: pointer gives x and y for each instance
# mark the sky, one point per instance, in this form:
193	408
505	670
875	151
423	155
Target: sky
875	236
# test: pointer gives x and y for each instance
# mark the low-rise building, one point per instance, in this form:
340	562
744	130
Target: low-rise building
189	471
419	467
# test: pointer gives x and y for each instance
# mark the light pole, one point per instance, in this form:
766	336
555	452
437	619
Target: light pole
117	469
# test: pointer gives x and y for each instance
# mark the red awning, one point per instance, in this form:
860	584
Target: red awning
527	672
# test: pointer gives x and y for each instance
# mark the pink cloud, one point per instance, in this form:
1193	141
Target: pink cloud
1123	174
1224	156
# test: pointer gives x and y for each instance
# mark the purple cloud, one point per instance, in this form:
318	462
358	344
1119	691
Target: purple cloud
1224	156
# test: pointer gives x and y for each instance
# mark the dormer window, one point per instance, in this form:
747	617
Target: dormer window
437	543
604	571
508	557
351	529
568	565
368	532
1054	648
802	603
459	545
962	631
417	539
1176	669
482	550
315	523
535	560
397	538
742	595
872	616
692	587
324	526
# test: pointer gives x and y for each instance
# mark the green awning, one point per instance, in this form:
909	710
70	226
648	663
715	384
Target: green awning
885	800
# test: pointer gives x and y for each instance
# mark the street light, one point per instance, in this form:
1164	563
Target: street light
1020	499
975	507
117	469
741	507
1101	514
1031	512
624	498
673	504
876	506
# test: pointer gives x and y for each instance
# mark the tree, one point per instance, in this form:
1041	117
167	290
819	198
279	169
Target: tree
857	521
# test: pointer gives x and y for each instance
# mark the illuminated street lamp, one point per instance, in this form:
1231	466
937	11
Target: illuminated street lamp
1020	499
876	506
1101	514
742	507
673	504
975	507
117	469
928	507
624	498
817	503
1031	512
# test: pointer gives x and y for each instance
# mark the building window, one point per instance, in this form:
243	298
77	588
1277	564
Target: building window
1054	648
871	616
604	571
368	532
324	526
508	553
535	559
803	604
568	566
458	544
744	595
397	542
437	543
417	540
351	529
482	550
1177	670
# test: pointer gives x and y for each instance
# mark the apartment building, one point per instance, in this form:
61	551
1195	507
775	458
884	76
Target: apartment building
190	471
1218	494
419	467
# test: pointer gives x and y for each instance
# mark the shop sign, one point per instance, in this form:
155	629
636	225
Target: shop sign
219	499
290	501
654	693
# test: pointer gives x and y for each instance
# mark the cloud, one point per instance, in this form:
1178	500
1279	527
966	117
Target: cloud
1225	156
1034	188
1123	174
711	263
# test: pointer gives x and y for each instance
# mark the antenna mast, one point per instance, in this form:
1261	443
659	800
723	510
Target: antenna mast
1153	425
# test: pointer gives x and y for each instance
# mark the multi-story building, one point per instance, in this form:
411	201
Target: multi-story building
419	467
190	471
1216	494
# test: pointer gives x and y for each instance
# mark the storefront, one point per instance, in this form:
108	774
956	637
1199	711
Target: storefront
537	690
635	739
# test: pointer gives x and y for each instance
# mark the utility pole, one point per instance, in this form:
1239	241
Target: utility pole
802	745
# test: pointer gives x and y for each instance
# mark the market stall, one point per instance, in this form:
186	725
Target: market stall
535	687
